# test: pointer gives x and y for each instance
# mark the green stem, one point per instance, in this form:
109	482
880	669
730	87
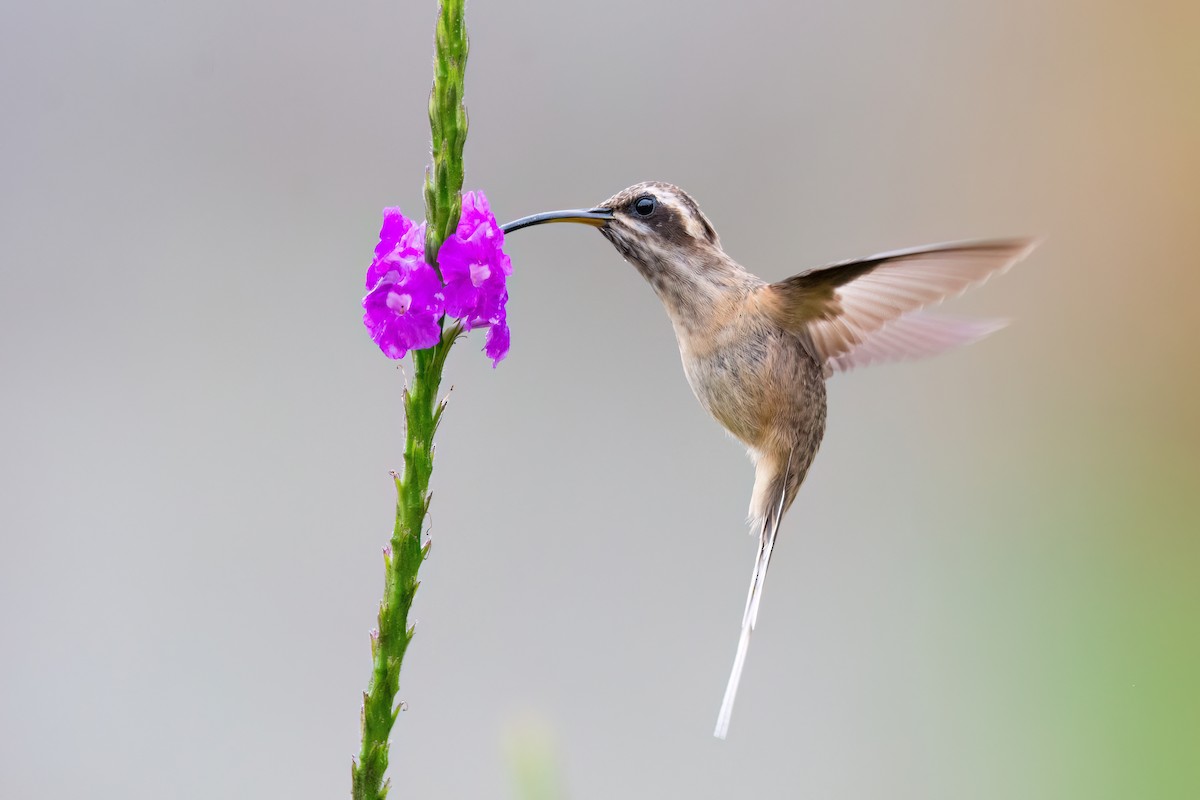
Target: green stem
422	413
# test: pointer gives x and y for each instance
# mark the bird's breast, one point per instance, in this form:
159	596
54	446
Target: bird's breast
755	379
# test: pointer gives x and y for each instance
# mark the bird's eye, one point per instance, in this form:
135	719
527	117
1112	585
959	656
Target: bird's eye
644	206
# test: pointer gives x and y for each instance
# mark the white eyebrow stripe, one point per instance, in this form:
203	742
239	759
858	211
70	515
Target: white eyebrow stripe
694	226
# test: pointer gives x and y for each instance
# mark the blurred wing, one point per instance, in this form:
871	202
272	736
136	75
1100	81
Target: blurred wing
842	305
916	335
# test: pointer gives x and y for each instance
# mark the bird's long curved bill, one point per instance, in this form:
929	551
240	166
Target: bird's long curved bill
597	217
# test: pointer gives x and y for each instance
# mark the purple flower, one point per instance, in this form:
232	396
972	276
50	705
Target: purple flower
406	300
496	345
405	303
401	242
403	310
475	270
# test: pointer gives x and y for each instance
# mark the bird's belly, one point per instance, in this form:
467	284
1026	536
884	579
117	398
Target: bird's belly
755	384
729	395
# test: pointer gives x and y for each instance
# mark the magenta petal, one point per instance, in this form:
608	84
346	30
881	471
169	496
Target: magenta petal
460	302
403	310
382	266
490	306
403	253
496	345
395	225
412	243
406	300
475	268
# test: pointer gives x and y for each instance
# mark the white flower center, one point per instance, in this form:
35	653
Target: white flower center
399	302
480	272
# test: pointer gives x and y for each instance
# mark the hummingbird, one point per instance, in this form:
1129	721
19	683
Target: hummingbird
757	354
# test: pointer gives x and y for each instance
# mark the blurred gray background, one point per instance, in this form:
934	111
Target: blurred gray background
987	588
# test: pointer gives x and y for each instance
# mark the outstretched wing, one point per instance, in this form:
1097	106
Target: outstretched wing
862	304
914	335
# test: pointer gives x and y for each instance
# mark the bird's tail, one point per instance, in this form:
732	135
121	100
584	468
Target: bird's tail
767	531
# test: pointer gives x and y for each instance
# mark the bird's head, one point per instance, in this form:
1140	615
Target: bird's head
656	226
